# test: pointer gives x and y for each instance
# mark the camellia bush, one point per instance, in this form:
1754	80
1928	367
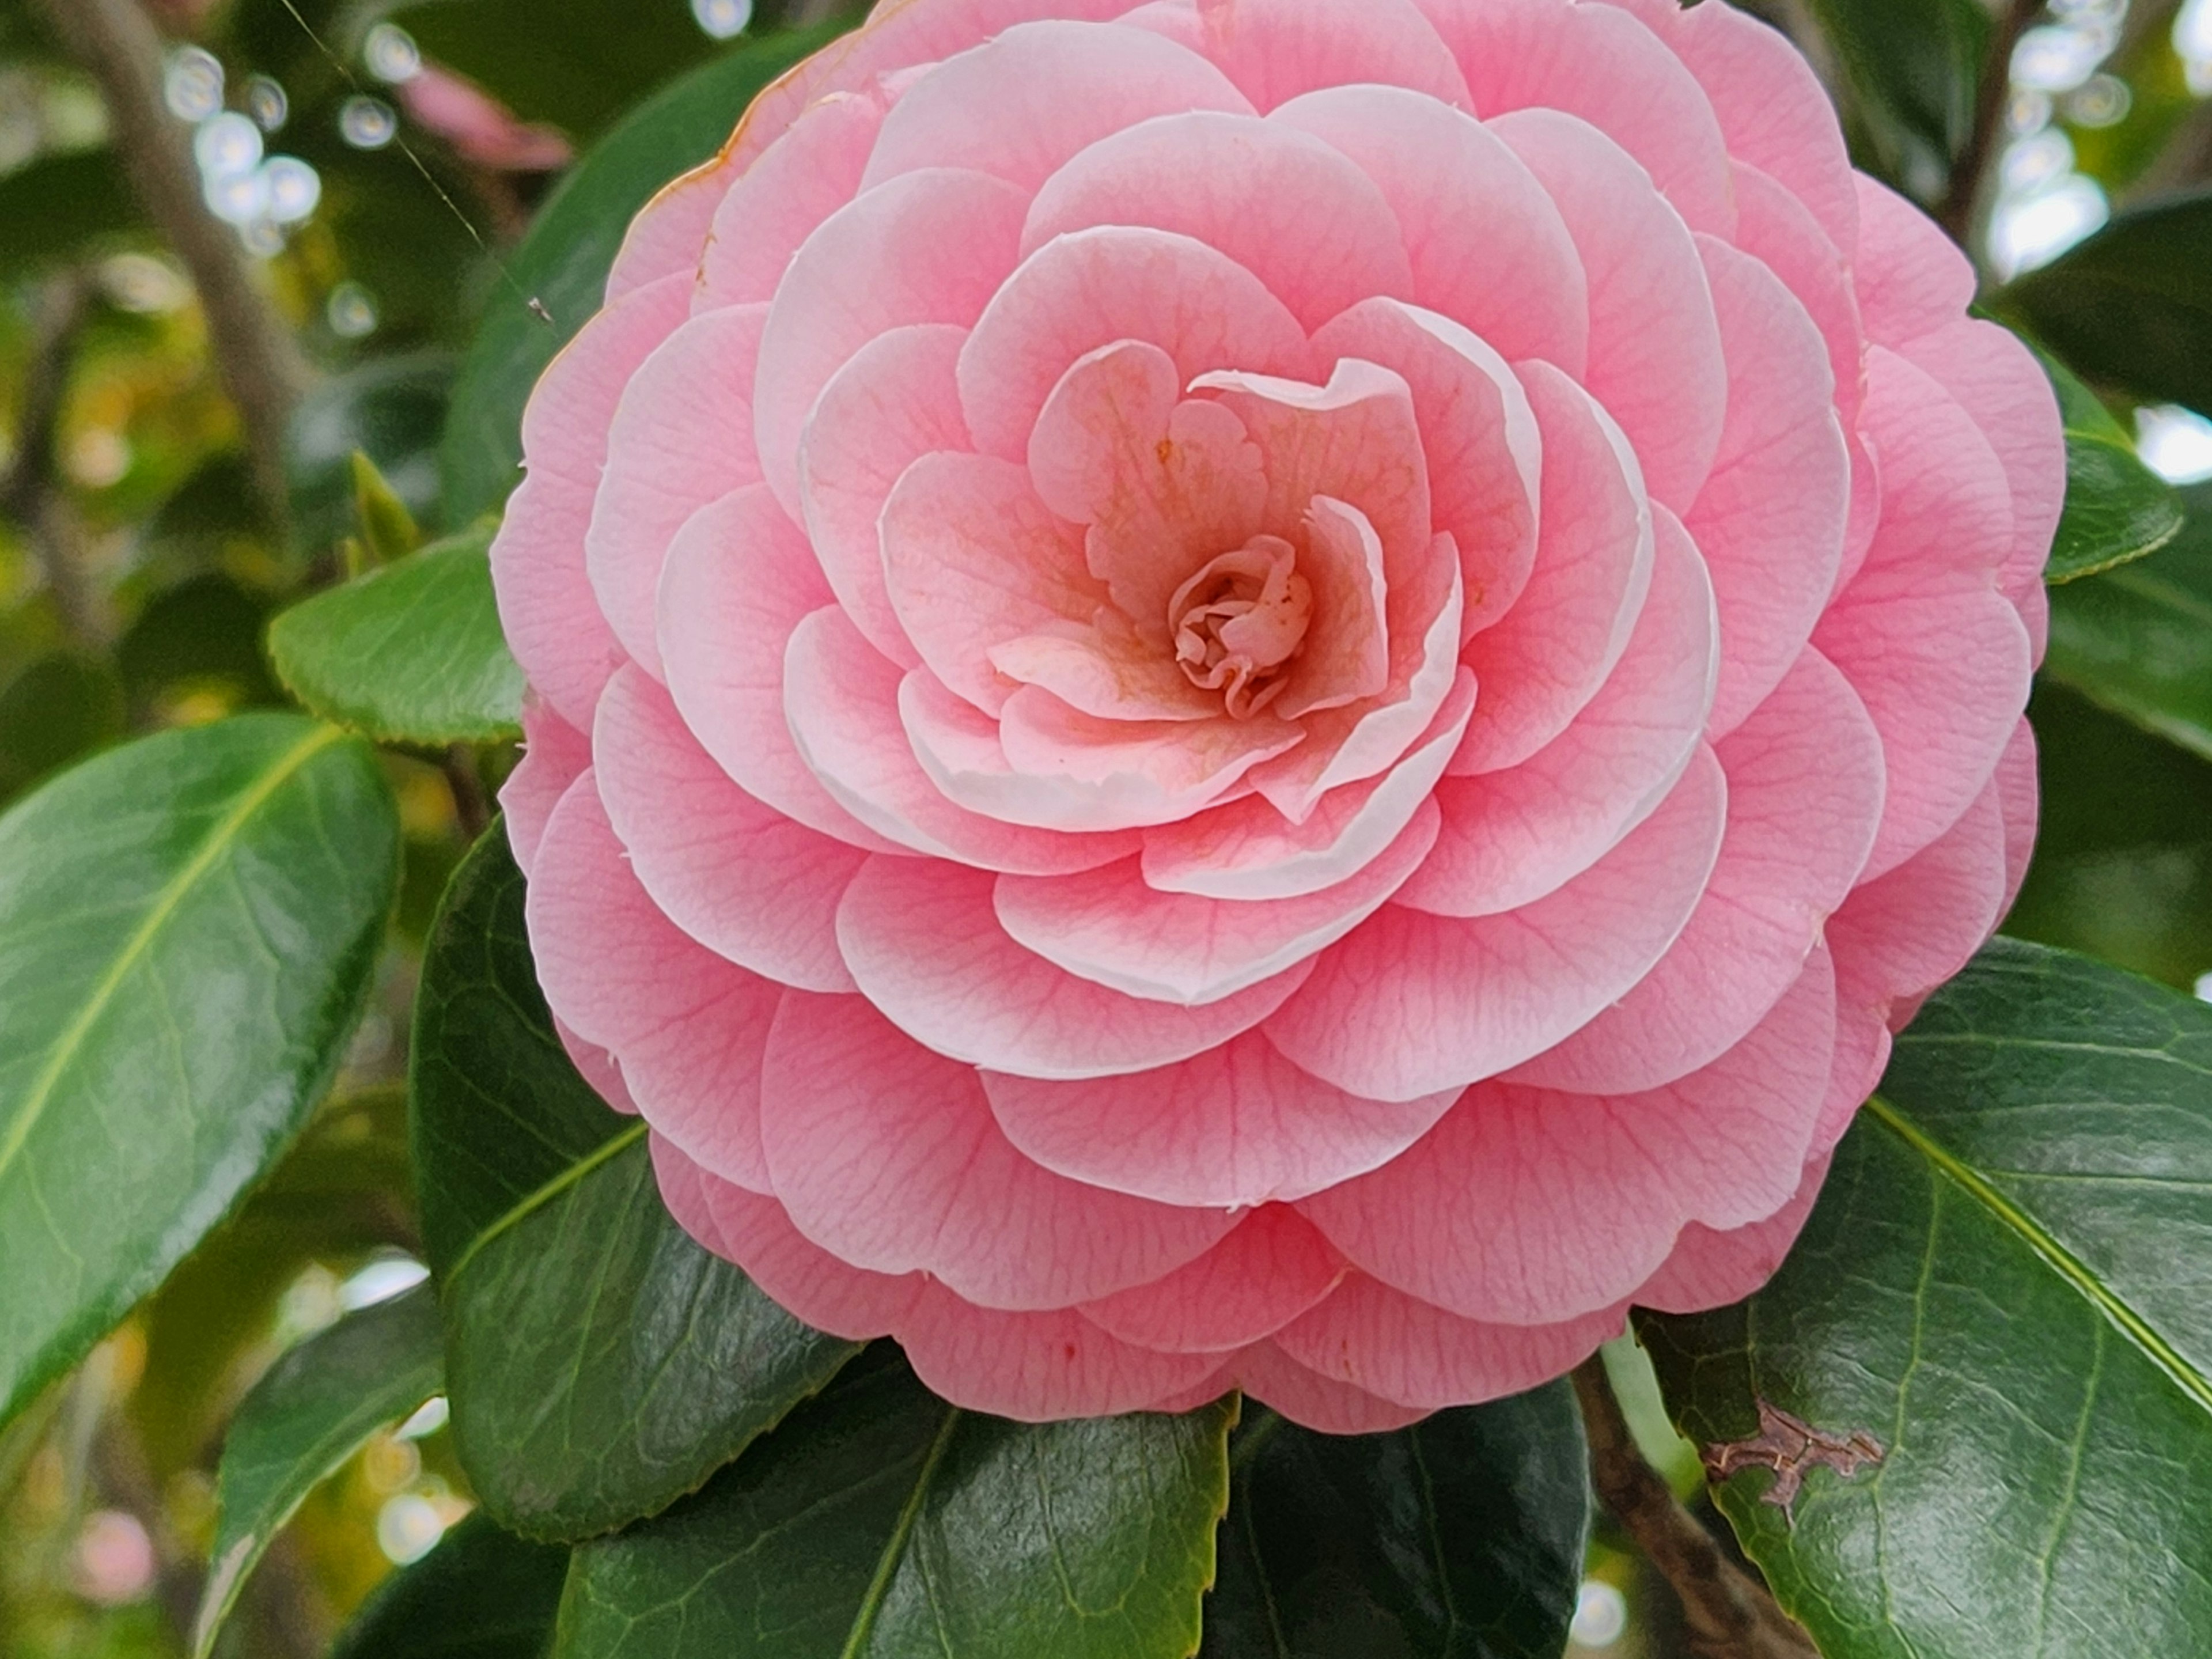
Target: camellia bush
1180	744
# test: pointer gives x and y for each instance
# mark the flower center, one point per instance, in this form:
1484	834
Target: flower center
1240	622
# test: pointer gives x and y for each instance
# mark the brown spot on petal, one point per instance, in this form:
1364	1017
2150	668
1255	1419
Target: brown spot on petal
1791	1447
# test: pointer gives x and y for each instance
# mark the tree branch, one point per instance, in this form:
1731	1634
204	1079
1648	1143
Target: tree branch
1730	1615
1961	205
28	491
255	353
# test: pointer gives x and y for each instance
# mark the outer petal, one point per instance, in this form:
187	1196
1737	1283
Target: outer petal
553	753
1804	795
1039	1367
1529	1207
665	238
1271	1267
887	1157
1274	50
1712	1268
921	940
1410	1004
1287	207
670	451
546	606
1235	1125
1488	247
1911	278
925	247
1656	360
1510	837
687	1028
744	881
1313	1401
795	184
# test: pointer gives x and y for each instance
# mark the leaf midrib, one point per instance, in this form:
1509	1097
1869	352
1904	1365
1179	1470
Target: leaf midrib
887	1563
613	1147
2068	1266
218	840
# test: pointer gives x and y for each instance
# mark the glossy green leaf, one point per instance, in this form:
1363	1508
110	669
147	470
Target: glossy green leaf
562	262
1914	67
2132	306
1987	1365
188	929
600	1364
1459	1538
310	1412
2138	640
480	1594
880	1521
411	652
2117	509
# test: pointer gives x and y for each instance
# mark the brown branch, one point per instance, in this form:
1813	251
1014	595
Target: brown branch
1960	207
255	353
28	492
1729	1615
472	808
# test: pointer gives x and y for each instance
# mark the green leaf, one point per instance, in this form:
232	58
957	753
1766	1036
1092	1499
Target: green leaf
390	410
880	1521
480	1594
562	263
189	927
410	652
600	1364
387	528
2117	508
1459	1538
1995	1322
2138	640
1914	68
2132	306
313	1410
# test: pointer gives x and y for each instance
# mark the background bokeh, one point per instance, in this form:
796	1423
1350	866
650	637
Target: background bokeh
372	162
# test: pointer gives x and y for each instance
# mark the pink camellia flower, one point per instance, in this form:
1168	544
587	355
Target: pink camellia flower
1270	693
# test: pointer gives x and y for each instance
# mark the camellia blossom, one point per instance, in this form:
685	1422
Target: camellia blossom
1276	694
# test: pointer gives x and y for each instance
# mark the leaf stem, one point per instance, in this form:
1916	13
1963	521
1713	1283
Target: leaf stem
1730	1613
1962	200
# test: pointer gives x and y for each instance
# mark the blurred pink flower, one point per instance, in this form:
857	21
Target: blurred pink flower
477	125
1270	693
114	1561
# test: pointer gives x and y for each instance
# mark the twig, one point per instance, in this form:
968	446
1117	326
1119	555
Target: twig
1729	1615
255	353
1962	200
28	491
471	806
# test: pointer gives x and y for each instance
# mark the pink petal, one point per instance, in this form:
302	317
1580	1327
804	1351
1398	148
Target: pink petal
1911	278
665	238
1271	1267
1484	449
925	247
1771	517
1039	1367
1246	849
598	1067
669	453
1107	926
1108	673
1289	209
1778	229
1656	360
842	697
802	1278
1274	50
738	579
797	182
1600	64
1804	775
973	559
1098	287
546	606
1488	247
1364	740
553	753
1544	661
922	942
1235	1125
1410	1004
1051	766
1711	1267
744	881
887	1157
1525	1206
2018	799
1311	1400
1372	1337
687	1028
895	402
1510	837
1024	102
1935	651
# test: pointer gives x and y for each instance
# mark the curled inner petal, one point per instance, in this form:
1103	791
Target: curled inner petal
1240	621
